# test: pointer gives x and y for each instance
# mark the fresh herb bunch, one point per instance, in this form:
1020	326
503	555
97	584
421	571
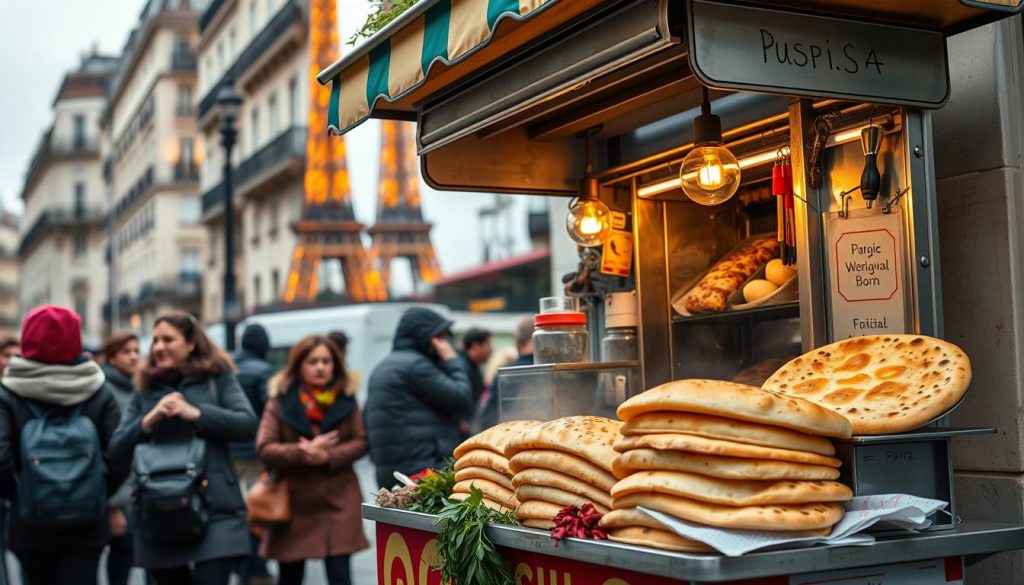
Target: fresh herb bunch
434	487
464	552
386	11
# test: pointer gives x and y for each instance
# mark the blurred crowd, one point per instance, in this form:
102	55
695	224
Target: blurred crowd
193	464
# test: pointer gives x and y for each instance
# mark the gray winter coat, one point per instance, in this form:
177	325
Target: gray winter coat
415	402
225	416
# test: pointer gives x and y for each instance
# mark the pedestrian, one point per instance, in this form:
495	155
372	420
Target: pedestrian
254	371
54	404
522	336
340	339
9	347
416	398
121	361
311	434
176	433
476	350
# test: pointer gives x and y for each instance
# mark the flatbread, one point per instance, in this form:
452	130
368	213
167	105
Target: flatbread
537	510
491	490
777	518
484	473
495	438
883	383
483	458
717	466
543	493
695	444
589	437
629	517
655	538
549	478
732	400
562	462
712	292
538	523
486	501
731	492
716	427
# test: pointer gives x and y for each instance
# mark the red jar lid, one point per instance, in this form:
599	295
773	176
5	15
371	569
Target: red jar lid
556	319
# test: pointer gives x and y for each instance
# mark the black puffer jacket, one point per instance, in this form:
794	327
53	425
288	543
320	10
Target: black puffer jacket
254	371
415	402
121	388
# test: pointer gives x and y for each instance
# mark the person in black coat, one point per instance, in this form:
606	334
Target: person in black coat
188	389
121	361
416	398
54	376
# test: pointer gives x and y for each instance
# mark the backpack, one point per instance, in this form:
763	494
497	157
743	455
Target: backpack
62	481
171	498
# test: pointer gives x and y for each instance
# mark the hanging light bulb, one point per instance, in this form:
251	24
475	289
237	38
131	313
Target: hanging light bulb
710	174
589	220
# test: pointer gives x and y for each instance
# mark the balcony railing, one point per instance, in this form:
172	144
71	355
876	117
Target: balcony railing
290	145
186	172
181	288
270	34
59	216
183	60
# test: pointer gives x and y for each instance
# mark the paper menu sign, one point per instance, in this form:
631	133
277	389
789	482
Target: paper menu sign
866	260
617	255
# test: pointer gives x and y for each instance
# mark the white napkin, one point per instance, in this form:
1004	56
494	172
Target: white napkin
901	510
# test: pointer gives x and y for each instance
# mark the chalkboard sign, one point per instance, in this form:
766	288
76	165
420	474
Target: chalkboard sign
775	51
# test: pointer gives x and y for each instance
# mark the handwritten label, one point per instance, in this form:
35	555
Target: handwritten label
865	260
771	50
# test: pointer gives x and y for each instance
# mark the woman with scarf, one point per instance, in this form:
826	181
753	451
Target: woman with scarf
188	391
311	435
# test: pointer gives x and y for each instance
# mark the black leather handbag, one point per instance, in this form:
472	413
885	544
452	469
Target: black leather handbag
171	496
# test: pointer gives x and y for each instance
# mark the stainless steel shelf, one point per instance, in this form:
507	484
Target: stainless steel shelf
977	539
780	311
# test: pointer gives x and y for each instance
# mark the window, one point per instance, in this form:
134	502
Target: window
275	284
186	169
80	244
214	248
294	114
252	20
80	308
256	296
257	216
184	100
79	209
272	114
274	211
220	58
254	130
232	45
190	262
79	138
190	210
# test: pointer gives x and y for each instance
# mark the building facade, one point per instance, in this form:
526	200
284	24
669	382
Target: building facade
261	47
9	270
62	240
153	152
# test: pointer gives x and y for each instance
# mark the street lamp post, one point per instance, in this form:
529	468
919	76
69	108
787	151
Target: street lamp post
229	103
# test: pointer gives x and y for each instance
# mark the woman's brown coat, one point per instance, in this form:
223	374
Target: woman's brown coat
325	500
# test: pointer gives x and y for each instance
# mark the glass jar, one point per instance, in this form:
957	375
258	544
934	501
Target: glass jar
560	338
619	345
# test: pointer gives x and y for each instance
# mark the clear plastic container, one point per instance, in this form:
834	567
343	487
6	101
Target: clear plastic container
558	305
560	338
619	344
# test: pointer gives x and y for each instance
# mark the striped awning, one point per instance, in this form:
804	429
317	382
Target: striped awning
418	53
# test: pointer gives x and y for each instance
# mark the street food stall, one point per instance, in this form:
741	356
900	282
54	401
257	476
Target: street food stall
759	176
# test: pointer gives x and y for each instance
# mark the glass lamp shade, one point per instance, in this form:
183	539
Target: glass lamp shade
589	222
710	174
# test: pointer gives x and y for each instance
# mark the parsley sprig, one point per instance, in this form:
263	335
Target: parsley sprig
434	487
465	554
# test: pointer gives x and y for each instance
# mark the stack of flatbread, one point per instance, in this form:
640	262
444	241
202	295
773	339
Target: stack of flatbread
724	455
564	462
480	462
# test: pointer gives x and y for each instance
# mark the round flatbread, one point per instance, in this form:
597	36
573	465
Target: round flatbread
495	438
549	478
491	490
732	400
716	427
629	517
483	458
543	493
655	538
563	462
717	466
589	437
731	492
458	497
695	444
776	518
883	383
756	374
484	473
538	523
537	510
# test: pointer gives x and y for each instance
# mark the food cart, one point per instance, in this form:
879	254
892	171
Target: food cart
530	96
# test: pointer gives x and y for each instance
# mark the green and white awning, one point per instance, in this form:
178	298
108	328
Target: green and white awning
429	47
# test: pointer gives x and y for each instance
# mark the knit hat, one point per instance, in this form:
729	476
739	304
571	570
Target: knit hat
52	335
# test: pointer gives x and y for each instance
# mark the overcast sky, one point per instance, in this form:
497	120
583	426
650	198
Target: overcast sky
42	39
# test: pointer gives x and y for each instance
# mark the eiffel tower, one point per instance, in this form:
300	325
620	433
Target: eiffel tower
400	231
328	228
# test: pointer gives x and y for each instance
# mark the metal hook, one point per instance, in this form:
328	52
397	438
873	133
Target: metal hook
844	201
894	201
